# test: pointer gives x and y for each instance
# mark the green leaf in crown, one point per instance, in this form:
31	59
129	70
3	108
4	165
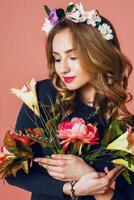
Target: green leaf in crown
60	13
69	8
47	9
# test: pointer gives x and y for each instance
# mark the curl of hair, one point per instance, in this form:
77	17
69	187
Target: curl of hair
105	63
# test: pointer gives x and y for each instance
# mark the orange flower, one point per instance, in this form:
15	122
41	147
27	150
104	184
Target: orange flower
130	136
35	132
2	157
22	138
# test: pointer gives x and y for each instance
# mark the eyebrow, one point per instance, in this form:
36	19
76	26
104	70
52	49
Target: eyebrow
67	51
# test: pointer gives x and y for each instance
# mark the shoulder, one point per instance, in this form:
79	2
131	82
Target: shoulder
45	90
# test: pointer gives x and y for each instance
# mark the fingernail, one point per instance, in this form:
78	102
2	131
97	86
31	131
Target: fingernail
106	170
121	167
36	160
53	155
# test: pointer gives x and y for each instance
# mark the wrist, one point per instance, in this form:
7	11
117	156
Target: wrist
67	188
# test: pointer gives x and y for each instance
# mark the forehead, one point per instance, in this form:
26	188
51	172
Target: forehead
62	41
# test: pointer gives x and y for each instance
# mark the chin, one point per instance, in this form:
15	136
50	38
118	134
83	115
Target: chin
72	87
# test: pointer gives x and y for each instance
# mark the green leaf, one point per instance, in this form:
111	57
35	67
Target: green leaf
115	129
88	148
47	9
119	154
12	150
69	8
126	175
60	13
23	147
129	163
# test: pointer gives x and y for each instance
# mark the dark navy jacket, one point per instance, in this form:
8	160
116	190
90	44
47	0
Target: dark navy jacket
42	186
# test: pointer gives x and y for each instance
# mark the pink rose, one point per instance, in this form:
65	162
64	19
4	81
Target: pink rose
77	131
65	125
75	120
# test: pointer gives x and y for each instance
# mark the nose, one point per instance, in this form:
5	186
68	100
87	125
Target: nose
65	68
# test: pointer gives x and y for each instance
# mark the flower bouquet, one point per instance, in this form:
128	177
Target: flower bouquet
15	154
74	136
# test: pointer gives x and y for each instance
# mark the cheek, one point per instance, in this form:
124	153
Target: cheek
57	69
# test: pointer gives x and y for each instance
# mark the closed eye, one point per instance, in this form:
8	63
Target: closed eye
73	58
57	60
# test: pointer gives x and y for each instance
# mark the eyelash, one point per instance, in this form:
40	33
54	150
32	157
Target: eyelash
73	58
58	60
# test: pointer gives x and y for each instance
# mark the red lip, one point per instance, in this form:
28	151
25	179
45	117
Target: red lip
69	79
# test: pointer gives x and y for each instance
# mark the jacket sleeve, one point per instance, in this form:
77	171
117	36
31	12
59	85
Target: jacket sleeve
124	190
38	178
36	181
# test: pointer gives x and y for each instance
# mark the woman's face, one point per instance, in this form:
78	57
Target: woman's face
67	62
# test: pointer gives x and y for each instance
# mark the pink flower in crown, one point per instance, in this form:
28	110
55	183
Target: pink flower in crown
53	17
77	131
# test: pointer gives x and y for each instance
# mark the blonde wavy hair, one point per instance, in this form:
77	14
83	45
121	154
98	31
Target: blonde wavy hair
105	63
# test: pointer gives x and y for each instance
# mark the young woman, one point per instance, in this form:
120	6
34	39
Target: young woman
87	70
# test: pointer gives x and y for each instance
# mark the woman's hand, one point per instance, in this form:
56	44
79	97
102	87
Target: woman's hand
96	184
65	167
82	185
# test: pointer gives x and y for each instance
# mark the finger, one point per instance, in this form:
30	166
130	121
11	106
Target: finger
58	176
51	168
114	172
113	185
49	161
115	177
62	156
106	170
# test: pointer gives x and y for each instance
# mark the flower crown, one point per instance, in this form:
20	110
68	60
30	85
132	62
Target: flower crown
76	13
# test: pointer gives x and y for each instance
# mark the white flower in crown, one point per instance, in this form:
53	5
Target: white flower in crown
28	95
106	31
47	26
77	14
93	17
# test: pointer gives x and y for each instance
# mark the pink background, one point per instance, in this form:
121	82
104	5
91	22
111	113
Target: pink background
22	53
